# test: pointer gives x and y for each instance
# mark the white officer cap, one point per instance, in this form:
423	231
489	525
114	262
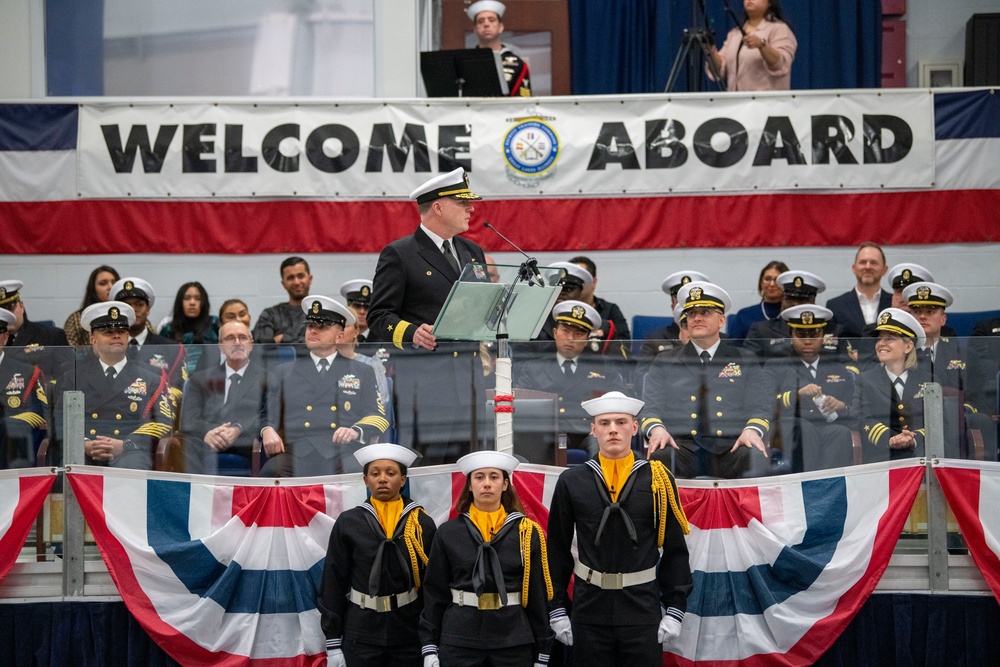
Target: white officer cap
454	184
132	287
900	322
902	275
357	291
613	402
679	313
928	294
700	294
388	451
6	317
10	291
107	315
801	284
476	460
485	6
569	274
576	313
672	283
807	316
324	310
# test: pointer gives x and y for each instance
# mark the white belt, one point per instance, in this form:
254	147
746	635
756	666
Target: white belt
486	601
382	603
613	581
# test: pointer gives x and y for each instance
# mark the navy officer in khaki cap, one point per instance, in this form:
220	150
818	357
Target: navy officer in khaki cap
127	405
435	382
358	294
632	576
710	393
323	406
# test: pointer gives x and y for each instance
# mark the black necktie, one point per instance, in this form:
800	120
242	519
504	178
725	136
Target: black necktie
705	356
446	249
133	348
234	381
110	374
897	384
812	371
324	366
569	368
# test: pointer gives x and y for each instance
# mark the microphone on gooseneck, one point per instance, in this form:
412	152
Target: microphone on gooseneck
531	263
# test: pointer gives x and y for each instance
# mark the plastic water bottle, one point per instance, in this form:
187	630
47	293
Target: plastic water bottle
819	400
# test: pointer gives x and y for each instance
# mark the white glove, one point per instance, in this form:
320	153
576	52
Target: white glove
669	630
432	660
563	629
335	658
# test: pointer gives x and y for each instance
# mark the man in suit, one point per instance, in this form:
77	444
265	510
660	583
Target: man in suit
31	342
358	294
813	393
24	407
127	405
711	393
944	359
575	377
224	406
322	407
145	347
439	386
858	308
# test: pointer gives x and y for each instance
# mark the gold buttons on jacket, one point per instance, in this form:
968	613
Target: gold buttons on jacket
718	414
718	398
309	407
694	398
694	415
333	425
306	424
94	416
718	433
694	432
118	416
116	431
333	408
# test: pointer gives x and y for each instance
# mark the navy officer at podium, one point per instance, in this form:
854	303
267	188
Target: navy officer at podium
439	386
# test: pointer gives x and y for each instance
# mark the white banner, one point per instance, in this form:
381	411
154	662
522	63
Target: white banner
557	147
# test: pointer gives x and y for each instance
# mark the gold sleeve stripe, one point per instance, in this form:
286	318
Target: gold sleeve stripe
763	423
650	422
31	418
786	399
375	422
876	433
40	393
399	332
152	429
853	369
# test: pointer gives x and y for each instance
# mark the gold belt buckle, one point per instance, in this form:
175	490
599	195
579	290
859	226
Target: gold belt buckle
489	601
383	603
611	581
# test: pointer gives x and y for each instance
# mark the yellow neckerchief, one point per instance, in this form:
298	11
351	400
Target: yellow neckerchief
488	523
388	513
615	472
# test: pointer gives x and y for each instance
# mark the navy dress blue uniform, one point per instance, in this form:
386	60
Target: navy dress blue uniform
205	407
461	560
166	355
809	441
363	560
620	537
306	407
135	406
705	407
881	414
22	412
440	396
769	339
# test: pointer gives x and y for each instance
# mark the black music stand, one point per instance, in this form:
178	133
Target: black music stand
463	73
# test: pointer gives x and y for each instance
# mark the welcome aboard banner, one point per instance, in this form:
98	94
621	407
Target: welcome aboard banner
560	147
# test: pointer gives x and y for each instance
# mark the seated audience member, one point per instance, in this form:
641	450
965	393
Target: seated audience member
224	406
667	338
145	347
358	294
903	275
889	399
127	406
860	306
574	279
575	377
769	307
321	407
193	323
32	342
348	348
984	364
231	310
284	322
98	290
945	361
610	312
711	393
768	339
813	391
24	407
